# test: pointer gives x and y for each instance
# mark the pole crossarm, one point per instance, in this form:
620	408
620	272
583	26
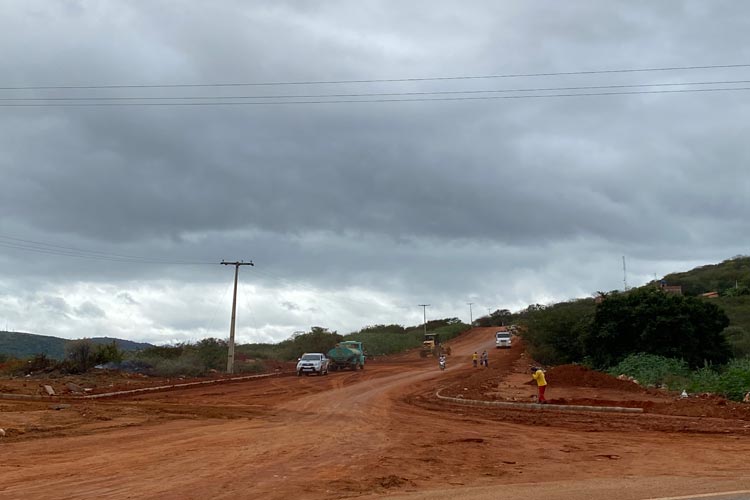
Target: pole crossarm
237	263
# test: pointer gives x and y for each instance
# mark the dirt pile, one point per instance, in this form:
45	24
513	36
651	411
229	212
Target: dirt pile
580	376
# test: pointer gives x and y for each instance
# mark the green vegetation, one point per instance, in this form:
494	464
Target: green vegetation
650	369
730	277
501	317
649	320
389	341
189	359
682	341
731	380
555	334
378	340
318	339
80	356
26	345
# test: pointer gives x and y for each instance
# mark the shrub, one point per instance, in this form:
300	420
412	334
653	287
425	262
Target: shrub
13	366
316	340
107	353
649	320
163	351
554	334
188	365
652	369
80	355
211	352
705	379
739	341
735	379
252	367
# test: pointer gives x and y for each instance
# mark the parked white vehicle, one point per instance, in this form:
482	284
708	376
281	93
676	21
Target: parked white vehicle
312	362
503	339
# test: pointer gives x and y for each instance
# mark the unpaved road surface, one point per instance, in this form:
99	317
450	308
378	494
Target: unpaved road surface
374	433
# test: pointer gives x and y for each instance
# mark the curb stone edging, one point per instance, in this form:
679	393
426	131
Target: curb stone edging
176	386
537	406
135	391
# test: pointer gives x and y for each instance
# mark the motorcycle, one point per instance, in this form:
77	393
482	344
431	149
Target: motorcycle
441	364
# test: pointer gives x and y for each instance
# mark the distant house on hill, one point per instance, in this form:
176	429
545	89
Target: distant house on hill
675	289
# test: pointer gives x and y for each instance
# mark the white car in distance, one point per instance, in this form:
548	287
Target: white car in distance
312	362
503	339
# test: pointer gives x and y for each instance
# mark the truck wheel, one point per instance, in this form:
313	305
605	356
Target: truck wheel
362	366
299	373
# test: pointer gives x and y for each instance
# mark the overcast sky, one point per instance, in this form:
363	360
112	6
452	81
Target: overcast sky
113	219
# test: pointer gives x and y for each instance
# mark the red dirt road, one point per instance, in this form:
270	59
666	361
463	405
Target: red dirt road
379	432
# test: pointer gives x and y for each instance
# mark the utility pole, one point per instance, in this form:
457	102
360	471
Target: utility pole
424	315
471	316
230	357
624	274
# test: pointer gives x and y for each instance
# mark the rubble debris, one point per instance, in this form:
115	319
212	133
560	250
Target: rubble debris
74	388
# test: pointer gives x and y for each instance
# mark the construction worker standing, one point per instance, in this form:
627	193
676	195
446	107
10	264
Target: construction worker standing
541	383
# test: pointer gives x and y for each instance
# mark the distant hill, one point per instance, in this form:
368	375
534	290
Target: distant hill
723	277
730	278
25	345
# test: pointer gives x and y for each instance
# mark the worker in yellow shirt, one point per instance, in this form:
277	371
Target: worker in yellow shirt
541	383
474	358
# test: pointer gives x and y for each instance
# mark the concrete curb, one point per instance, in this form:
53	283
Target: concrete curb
176	386
141	390
537	406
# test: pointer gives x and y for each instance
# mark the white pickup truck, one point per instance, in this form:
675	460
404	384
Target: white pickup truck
312	362
502	339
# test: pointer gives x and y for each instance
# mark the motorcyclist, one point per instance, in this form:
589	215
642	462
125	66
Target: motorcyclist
441	361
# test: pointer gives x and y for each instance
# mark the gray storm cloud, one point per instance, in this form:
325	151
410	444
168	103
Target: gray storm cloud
505	201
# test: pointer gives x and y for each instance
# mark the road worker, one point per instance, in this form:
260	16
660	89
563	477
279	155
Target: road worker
541	383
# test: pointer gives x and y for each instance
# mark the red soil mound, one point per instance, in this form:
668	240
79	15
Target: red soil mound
580	376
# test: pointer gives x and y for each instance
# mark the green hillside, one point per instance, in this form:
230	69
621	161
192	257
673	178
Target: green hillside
728	278
25	345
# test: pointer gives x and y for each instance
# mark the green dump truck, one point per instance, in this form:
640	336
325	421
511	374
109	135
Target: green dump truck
349	354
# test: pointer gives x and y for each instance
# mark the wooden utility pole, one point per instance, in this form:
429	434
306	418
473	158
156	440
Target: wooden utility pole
230	357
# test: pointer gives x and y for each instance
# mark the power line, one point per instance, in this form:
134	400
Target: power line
68	251
378	80
364	101
368	94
